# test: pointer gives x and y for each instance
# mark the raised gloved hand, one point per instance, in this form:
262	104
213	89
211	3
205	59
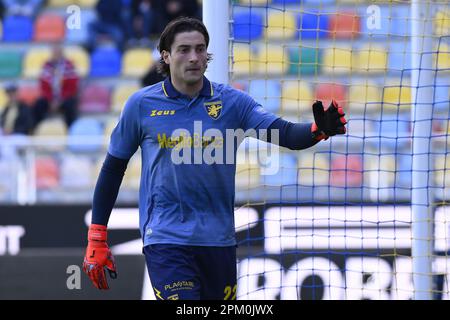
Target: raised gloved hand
327	123
98	257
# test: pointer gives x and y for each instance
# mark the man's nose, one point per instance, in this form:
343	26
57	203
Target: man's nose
193	56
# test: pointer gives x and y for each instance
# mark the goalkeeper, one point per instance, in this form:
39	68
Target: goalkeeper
186	211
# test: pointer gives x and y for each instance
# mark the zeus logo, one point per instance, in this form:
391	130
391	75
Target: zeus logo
162	113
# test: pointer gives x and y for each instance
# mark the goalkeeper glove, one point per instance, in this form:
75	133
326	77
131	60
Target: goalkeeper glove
98	256
327	123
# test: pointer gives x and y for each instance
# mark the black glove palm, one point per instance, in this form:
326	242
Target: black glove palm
331	121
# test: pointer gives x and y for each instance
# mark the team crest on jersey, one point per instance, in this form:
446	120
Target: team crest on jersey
214	109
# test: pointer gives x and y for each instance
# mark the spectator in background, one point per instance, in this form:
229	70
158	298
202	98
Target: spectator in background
16	118
59	88
27	8
140	25
109	24
168	10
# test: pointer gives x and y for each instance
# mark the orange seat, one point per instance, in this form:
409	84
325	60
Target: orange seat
29	94
345	25
47	173
346	171
49	28
328	91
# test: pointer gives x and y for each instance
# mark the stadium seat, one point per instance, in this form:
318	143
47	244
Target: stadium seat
364	96
328	91
313	25
399	58
47	173
59	3
346	171
51	127
303	60
255	2
80	59
132	176
34	60
313	169
286	174
87	3
247	25
17	29
443	57
121	94
272	60
296	97
442	171
76	172
401	17
441	93
10	64
243	60
396	96
370	59
337	60
247	170
80	35
28	93
87	130
136	62
95	99
441	22
267	93
379	171
3	99
49	28
105	62
391	131
344	25
281	25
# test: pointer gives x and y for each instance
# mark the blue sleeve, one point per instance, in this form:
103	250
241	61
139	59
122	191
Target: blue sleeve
107	188
295	136
126	136
253	115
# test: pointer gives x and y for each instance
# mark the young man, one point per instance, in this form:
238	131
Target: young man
187	207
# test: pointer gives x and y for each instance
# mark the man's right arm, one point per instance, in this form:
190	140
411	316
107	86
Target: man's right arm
107	188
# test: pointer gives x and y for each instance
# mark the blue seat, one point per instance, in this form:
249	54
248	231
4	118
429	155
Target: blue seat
399	57
87	130
313	25
106	62
248	25
392	131
17	29
441	93
267	93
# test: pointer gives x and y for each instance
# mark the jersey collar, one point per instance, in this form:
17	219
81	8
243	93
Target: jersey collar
170	91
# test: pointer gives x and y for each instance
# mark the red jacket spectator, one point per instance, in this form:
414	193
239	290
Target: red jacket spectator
59	80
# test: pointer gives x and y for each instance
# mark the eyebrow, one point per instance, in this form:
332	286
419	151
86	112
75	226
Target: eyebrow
188	45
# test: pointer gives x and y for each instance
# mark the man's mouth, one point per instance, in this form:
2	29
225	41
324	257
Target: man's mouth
193	69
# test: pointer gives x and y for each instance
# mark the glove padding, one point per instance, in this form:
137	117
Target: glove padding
98	256
327	123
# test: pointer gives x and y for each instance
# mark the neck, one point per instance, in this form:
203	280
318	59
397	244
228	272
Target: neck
190	90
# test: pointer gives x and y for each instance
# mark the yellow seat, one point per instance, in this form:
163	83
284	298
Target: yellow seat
296	97
313	169
80	58
136	62
396	96
281	25
34	61
441	23
51	127
59	3
247	170
364	96
243	60
337	60
370	59
442	171
443	57
3	99
87	3
121	94
272	60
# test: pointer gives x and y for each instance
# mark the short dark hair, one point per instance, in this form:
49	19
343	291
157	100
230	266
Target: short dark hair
179	25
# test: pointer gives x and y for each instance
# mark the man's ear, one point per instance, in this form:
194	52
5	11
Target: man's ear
166	56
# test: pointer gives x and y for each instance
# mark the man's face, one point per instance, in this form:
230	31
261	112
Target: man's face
188	57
